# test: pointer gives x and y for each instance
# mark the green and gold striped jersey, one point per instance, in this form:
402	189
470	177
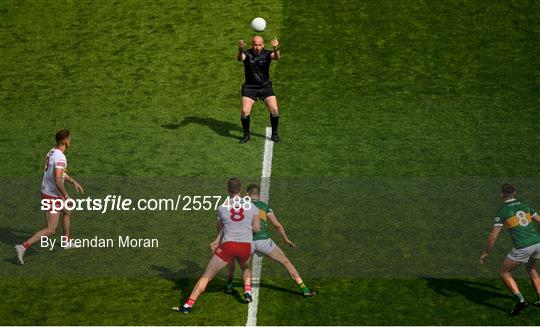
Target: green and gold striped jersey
264	209
517	217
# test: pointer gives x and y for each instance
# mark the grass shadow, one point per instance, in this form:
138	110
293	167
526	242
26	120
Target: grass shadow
238	296
222	128
477	292
13	237
280	289
184	279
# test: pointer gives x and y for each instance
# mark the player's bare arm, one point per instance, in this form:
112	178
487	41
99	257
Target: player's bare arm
279	228
256	224
241	56
276	54
59	181
490	242
215	243
536	218
73	182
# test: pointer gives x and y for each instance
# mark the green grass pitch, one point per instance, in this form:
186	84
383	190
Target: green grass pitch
400	120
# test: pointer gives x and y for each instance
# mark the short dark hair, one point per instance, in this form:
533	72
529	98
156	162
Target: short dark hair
234	185
508	189
61	136
254	189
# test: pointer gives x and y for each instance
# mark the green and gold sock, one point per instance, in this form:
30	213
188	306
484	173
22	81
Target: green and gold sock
303	287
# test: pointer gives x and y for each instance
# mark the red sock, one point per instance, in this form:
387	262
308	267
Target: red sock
247	288
27	245
190	302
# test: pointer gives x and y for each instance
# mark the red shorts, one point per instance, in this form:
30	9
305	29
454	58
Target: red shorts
229	251
51	203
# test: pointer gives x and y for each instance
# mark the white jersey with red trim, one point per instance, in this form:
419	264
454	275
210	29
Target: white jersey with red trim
55	160
237	222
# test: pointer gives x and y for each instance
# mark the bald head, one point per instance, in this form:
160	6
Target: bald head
257	39
257	44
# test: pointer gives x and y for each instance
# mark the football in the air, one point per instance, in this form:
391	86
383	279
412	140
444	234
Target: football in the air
258	24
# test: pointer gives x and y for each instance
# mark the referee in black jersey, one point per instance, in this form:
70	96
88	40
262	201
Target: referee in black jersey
258	85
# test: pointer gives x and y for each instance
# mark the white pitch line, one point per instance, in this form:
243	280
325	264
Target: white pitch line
257	261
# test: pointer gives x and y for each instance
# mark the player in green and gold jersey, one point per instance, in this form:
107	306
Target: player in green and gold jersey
263	244
517	217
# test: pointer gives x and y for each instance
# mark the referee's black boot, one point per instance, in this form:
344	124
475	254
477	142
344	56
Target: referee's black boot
275	138
244	138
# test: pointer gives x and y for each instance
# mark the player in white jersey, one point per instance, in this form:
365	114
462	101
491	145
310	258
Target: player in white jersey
263	244
236	222
53	191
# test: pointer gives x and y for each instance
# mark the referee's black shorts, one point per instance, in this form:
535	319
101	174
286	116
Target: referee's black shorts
255	92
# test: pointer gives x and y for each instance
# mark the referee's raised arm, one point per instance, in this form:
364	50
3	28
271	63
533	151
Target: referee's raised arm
241	56
276	54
